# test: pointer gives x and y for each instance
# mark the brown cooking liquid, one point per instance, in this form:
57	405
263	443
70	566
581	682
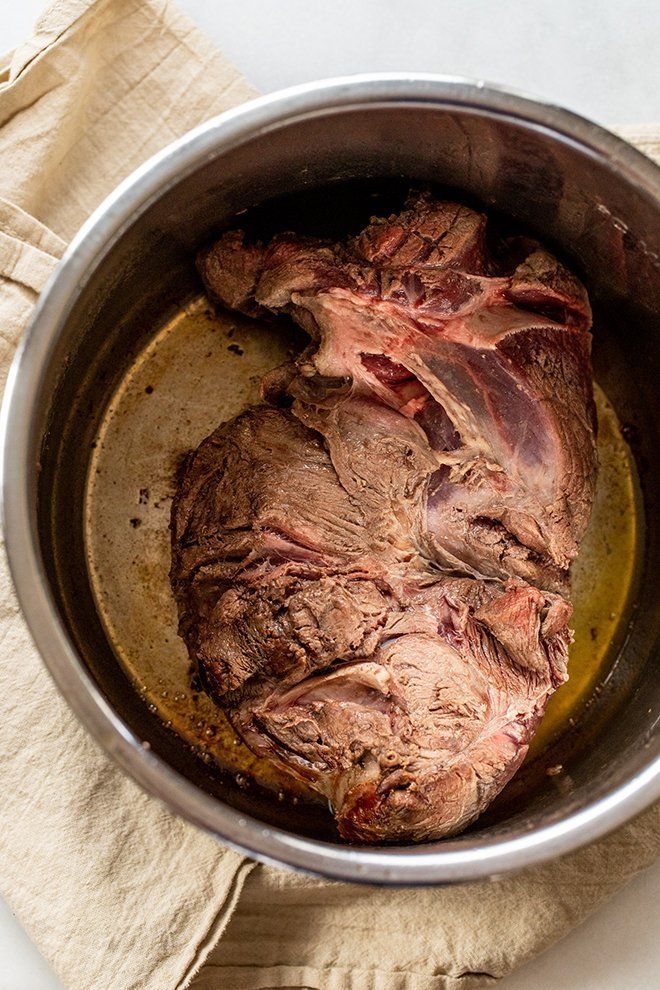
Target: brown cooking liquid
201	369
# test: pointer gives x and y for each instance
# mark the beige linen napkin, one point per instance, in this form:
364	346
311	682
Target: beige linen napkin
117	893
294	931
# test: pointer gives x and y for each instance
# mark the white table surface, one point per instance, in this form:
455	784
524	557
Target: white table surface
598	57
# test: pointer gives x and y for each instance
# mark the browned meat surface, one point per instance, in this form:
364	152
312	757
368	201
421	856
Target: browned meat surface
371	576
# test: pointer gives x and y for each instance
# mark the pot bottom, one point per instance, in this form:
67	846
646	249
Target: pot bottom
200	368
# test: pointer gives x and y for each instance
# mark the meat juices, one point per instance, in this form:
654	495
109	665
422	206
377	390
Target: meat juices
372	571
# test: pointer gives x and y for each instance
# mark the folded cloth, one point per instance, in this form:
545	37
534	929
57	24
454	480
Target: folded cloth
295	931
118	893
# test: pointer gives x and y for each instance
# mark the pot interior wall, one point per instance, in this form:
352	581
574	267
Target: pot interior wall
320	172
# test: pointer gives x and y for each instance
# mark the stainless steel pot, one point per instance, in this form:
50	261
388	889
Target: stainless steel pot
578	187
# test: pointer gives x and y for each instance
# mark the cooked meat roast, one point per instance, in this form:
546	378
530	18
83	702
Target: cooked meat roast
372	569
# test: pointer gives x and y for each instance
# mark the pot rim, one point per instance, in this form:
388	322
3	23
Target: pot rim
451	861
